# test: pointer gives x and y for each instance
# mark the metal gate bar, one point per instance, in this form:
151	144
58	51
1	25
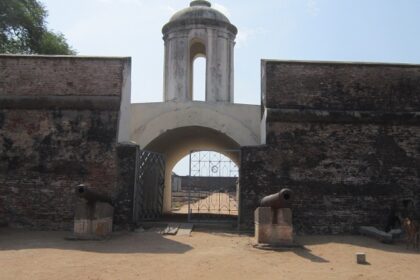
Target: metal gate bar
212	205
149	186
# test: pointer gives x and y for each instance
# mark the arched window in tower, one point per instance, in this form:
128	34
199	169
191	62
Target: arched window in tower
199	79
197	71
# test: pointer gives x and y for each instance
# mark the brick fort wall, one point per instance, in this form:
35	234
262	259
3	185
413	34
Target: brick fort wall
344	137
58	128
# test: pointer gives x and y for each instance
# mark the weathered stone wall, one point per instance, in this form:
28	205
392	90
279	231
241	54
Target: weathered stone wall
60	76
206	183
344	137
58	127
341	86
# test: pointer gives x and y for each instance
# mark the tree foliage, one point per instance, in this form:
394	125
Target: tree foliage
23	29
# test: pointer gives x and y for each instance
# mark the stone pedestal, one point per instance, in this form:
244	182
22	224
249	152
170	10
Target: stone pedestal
93	220
273	226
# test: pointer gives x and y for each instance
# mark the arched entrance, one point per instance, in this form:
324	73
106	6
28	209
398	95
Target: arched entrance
174	129
177	143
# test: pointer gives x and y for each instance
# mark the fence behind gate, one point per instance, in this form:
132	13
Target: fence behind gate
214	203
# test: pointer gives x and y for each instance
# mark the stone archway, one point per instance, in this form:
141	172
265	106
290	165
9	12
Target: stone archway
239	122
177	143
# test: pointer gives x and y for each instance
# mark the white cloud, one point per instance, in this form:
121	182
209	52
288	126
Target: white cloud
242	37
247	34
222	9
312	7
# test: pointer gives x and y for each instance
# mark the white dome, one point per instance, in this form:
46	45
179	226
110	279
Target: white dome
199	10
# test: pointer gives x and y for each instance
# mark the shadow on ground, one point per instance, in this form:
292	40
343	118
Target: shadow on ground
357	241
155	243
121	242
307	254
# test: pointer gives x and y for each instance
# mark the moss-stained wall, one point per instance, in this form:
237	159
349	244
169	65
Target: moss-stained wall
58	127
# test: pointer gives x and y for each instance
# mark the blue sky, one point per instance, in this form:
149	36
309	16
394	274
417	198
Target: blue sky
339	30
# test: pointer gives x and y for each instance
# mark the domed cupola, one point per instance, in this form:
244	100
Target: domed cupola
199	12
199	30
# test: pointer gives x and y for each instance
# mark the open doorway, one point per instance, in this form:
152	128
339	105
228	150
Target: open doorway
205	186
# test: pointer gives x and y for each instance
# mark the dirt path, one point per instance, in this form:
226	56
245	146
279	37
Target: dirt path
215	203
46	255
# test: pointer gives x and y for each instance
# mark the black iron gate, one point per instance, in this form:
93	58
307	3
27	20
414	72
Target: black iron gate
149	186
218	199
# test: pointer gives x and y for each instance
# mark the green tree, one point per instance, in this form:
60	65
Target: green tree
23	29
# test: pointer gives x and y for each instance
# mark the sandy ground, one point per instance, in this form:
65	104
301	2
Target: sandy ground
204	255
215	203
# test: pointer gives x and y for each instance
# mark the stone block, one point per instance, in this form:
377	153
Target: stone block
103	210
263	215
82	226
268	215
93	219
102	227
102	219
282	217
274	234
361	258
273	226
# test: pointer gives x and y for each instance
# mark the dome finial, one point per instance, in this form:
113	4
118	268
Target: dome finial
200	3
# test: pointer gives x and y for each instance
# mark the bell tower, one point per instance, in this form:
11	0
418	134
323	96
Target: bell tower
199	31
